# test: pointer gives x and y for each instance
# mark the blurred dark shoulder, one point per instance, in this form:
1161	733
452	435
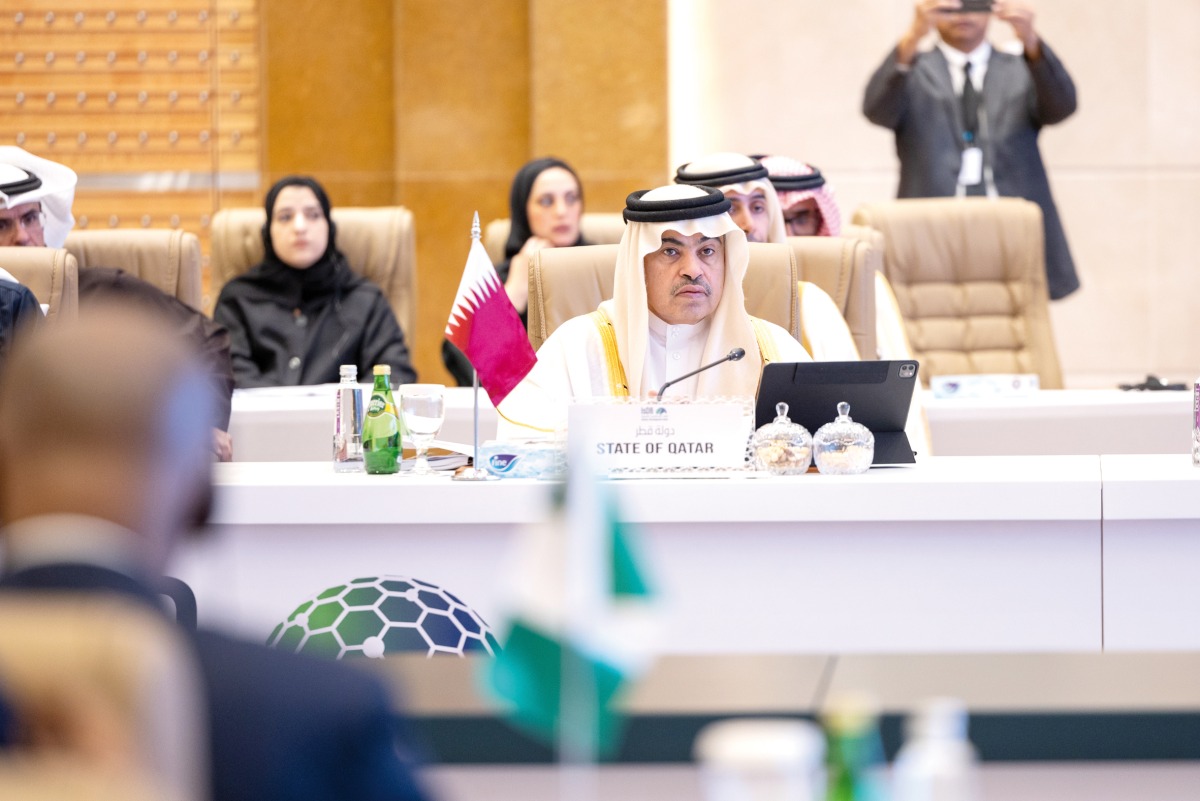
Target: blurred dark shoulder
209	337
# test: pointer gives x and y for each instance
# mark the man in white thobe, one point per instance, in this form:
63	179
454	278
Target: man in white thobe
677	304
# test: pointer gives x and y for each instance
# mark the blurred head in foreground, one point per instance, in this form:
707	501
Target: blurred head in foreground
107	416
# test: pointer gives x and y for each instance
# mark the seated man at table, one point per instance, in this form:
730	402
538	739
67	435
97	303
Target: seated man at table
755	209
97	488
677	304
36	195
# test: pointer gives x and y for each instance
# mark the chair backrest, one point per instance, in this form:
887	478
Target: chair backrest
111	688
598	228
52	274
568	282
380	243
168	259
845	269
970	280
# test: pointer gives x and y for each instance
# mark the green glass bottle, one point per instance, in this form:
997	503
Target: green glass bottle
853	750
382	429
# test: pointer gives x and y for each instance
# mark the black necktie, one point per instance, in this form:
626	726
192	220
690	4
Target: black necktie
970	106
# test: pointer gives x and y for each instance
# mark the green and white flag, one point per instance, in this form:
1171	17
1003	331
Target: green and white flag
580	625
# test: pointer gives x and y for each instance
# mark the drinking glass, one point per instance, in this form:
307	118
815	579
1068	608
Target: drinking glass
423	408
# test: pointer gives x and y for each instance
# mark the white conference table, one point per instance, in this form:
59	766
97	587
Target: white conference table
1151	553
296	423
1061	421
958	554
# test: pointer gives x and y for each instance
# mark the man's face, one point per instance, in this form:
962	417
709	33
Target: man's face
750	213
22	226
963	30
803	218
685	277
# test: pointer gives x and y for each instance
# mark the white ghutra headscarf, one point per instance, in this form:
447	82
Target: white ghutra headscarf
687	210
741	174
26	178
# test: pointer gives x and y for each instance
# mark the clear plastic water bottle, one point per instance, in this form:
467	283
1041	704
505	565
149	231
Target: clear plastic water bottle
937	762
347	422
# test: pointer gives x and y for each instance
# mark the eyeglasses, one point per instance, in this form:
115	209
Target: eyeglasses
33	221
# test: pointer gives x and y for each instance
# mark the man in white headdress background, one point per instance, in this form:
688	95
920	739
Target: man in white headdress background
677	304
805	199
810	209
35	207
35	199
36	196
756	209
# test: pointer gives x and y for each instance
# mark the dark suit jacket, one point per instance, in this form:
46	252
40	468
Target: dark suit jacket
1019	97
282	726
18	308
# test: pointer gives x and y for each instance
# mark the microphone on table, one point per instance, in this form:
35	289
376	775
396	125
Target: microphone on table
732	356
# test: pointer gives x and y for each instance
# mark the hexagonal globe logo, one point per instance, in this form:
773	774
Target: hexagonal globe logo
380	615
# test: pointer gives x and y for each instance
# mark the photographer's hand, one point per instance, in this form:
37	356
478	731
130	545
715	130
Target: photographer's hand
925	14
1020	16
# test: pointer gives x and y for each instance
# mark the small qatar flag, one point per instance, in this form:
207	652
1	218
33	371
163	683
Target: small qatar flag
485	326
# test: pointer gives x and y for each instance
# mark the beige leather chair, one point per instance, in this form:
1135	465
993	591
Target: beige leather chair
568	282
110	696
597	228
379	243
845	269
168	259
970	279
52	274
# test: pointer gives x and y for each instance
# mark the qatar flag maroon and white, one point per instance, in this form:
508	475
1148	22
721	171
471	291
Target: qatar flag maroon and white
485	326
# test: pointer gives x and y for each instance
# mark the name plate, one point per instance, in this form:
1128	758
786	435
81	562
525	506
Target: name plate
627	435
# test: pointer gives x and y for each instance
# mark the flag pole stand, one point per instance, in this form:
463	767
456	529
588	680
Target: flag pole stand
475	472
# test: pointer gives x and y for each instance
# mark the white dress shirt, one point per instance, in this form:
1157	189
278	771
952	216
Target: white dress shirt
957	60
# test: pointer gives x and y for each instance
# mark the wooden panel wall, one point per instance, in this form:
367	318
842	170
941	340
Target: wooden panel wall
462	117
599	93
330	97
151	103
433	105
481	89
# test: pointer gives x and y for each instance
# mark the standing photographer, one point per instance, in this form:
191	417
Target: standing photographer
967	117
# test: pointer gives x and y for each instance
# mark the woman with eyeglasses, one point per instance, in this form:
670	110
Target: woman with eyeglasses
545	210
302	312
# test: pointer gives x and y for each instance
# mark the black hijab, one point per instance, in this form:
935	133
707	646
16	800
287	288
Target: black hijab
518	202
327	276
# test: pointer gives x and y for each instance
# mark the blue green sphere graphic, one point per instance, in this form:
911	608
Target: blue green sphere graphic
377	616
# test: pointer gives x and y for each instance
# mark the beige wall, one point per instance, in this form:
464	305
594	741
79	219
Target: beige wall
1125	169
